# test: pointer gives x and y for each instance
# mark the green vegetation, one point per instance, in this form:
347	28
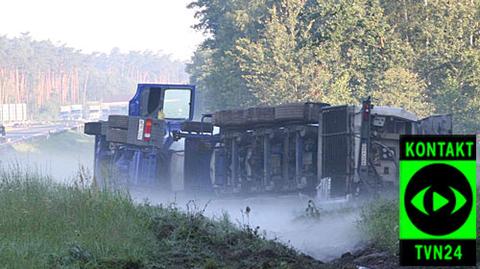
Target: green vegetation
69	142
44	224
420	55
379	223
48	225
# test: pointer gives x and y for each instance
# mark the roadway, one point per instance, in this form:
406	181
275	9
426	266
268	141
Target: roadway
24	133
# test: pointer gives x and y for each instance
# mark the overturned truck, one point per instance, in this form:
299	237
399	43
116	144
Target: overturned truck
313	148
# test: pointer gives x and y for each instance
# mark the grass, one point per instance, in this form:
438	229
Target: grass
49	225
69	141
190	240
44	224
379	223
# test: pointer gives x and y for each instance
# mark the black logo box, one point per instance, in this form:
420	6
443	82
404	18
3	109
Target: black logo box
404	139
408	253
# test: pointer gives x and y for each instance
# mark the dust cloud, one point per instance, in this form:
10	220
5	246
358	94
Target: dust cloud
282	218
324	238
60	156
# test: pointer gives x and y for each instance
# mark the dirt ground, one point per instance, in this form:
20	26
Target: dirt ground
331	237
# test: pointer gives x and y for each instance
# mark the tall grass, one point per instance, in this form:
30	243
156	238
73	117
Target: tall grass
379	224
44	224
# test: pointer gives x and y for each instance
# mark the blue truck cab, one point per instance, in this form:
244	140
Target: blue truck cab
147	147
175	101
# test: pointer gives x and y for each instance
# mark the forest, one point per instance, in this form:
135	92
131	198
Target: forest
422	55
46	75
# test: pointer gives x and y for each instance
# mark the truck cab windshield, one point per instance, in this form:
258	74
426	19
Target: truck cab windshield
177	104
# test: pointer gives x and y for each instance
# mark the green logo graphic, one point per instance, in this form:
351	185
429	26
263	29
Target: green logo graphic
460	200
439	201
418	201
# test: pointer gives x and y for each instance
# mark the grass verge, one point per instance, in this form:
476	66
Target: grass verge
44	224
379	223
48	225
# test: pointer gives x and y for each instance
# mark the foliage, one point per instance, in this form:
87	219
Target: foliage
49	225
379	224
274	69
400	87
190	240
46	75
420	55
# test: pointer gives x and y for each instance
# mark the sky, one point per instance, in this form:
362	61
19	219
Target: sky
100	25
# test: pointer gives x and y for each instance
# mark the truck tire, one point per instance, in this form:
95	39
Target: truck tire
197	126
287	112
233	117
255	115
305	112
93	128
118	121
218	117
117	135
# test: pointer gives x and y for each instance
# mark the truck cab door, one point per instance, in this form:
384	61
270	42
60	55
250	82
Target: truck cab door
163	101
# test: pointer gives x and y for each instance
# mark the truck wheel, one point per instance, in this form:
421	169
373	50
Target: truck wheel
118	121
221	118
117	135
294	111
233	117
299	112
197	126
93	128
256	115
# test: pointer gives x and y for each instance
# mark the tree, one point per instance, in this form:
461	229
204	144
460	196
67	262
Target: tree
402	88
420	55
275	68
45	75
222	84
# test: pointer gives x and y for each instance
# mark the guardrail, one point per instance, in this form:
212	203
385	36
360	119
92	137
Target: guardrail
5	141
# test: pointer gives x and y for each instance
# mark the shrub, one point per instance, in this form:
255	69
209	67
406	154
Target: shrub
379	224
